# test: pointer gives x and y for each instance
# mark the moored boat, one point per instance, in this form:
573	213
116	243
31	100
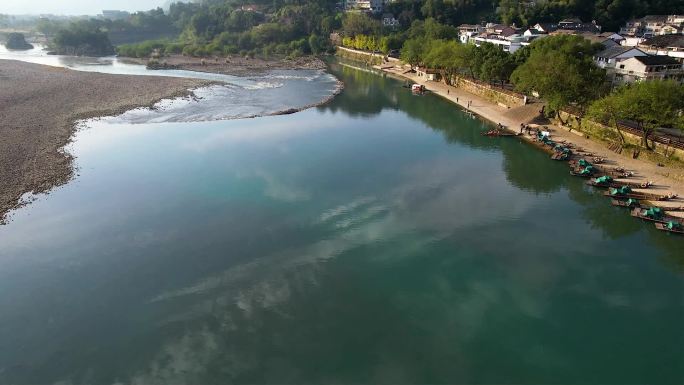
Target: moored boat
670	226
640	196
584	172
630	203
608	181
653	214
499	132
625	192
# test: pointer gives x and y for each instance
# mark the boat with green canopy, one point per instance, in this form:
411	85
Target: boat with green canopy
631	203
606	181
671	226
625	192
653	214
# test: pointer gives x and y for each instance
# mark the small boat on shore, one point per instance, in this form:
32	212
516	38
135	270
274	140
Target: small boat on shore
625	192
670	226
629	203
499	132
584	172
417	88
561	153
561	156
607	181
652	214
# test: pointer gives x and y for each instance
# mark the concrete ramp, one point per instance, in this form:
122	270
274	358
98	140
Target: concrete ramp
528	113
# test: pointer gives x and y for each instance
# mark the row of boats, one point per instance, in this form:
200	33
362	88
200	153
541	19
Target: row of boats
621	192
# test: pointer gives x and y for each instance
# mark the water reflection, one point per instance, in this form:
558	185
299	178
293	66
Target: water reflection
392	245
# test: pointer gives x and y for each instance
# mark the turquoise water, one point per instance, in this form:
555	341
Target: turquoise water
376	239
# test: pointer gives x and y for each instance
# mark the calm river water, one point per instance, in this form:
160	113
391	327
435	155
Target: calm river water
378	239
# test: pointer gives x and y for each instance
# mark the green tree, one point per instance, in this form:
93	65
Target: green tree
649	104
560	68
441	55
490	63
17	41
356	23
412	51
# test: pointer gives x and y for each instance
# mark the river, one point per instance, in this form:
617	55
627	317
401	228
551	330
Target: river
376	239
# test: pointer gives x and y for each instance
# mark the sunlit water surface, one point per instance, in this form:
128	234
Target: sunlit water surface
377	239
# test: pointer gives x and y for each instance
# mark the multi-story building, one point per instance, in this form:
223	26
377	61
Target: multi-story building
609	58
647	68
510	43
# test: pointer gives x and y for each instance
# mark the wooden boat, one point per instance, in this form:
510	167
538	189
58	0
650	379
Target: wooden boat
652	214
498	132
671	227
600	172
629	203
561	156
666	208
641	196
615	184
618	172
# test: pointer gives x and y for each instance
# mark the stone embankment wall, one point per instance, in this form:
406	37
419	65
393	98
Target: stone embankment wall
363	56
605	133
502	97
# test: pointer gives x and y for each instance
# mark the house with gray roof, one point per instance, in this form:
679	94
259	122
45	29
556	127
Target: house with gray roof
608	58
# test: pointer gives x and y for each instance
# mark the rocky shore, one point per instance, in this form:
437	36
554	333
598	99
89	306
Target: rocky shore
40	105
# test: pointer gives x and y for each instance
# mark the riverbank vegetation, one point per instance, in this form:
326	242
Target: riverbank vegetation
650	105
17	41
80	39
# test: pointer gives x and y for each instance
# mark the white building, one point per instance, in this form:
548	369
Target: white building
371	6
389	21
610	57
469	31
509	44
647	68
653	25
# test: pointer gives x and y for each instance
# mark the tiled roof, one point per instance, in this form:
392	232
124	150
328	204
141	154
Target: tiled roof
612	52
657	60
664	41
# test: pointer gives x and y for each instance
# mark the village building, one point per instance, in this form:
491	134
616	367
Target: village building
542	28
611	56
575	24
369	6
653	25
425	73
469	31
389	21
648	68
503	36
669	45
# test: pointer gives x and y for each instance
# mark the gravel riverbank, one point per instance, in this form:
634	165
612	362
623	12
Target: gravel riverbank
39	106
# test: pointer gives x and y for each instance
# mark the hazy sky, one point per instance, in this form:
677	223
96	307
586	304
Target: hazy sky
74	7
